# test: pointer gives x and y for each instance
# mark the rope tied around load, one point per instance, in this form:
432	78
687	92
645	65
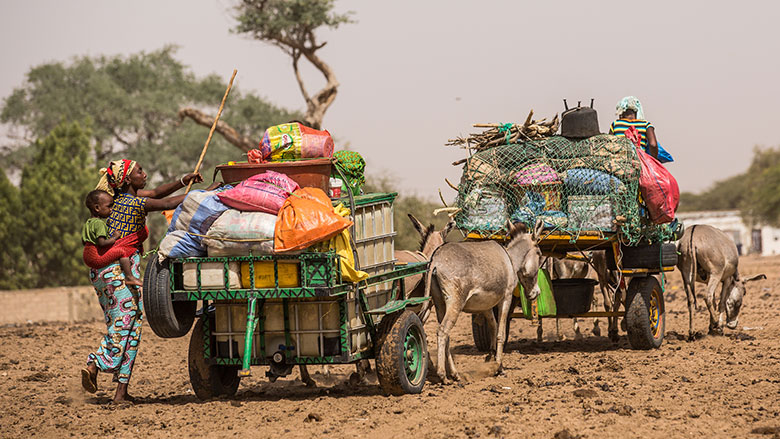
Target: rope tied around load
506	129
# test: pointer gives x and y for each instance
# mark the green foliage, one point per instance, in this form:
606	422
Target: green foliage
726	194
131	104
287	24
756	192
14	269
407	237
52	192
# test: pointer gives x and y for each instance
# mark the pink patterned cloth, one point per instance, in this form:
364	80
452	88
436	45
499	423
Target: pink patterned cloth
536	173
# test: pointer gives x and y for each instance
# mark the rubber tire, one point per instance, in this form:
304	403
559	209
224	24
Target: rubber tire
481	332
209	380
641	334
391	355
645	256
168	319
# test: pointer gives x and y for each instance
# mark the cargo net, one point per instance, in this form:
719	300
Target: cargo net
579	187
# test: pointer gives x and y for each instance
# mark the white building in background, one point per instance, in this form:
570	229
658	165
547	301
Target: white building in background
763	240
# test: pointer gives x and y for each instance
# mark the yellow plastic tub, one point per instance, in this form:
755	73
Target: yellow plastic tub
289	276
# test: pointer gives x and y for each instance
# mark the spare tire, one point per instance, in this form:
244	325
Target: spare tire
168	319
645	256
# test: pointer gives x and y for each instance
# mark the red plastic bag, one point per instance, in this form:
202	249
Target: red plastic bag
306	218
659	189
264	192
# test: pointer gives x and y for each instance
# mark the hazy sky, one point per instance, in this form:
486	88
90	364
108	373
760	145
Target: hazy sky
415	73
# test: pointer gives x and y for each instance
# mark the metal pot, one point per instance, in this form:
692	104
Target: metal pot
579	122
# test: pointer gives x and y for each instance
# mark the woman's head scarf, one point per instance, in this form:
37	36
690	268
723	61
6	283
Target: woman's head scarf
630	103
111	177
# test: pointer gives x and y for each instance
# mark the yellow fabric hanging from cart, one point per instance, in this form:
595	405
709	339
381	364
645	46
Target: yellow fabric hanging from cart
342	245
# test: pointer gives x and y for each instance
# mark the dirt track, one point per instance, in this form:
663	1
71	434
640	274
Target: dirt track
725	386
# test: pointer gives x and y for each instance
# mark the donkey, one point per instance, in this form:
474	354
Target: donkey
708	255
570	269
474	277
430	240
566	269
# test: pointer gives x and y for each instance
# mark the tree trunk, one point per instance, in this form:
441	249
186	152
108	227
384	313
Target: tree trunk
229	133
316	105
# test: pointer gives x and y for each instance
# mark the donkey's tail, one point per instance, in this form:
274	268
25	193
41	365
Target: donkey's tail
426	308
692	270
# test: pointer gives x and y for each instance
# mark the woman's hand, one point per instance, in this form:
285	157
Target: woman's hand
194	177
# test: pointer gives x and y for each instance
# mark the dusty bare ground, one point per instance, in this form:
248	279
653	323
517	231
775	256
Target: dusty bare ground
717	386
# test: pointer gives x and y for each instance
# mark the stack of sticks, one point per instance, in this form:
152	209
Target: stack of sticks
503	134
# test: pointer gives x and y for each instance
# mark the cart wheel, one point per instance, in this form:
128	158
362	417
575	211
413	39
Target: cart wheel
402	354
645	316
480	330
209	380
481	333
168	319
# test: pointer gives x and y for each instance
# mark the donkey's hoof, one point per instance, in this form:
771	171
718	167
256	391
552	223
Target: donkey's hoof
355	379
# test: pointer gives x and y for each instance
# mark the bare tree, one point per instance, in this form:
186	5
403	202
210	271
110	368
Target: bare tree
289	25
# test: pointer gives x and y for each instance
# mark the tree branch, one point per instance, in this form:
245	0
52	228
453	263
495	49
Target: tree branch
296	56
318	105
119	138
229	133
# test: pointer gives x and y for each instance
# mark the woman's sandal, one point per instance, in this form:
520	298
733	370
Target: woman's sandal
88	381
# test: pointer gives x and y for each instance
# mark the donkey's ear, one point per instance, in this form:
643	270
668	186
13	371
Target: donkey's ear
417	225
538	230
447	229
756	277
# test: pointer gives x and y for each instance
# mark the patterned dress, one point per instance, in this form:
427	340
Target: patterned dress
122	306
123	311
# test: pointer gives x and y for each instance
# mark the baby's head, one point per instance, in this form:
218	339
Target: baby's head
99	203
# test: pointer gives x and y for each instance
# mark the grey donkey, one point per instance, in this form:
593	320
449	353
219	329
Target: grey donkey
430	240
571	269
708	255
474	277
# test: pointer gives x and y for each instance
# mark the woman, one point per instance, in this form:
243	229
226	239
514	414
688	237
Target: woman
630	114
122	306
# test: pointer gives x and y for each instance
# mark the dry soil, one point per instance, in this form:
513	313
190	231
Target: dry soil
716	386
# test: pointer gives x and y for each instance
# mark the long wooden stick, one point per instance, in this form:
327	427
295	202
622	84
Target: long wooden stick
213	127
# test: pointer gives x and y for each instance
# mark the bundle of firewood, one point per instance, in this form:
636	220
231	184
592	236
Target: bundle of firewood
503	134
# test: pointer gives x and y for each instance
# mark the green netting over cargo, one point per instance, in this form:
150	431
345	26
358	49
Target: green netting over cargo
574	186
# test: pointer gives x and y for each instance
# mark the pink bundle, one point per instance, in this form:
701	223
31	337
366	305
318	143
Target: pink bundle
264	192
535	174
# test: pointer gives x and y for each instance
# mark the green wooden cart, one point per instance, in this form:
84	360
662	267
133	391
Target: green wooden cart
286	310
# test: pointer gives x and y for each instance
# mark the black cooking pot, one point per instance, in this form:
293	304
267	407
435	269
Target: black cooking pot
579	122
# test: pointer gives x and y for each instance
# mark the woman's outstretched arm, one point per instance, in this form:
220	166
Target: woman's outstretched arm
168	203
166	189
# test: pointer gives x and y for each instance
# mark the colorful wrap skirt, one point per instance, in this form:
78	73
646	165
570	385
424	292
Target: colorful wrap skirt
123	310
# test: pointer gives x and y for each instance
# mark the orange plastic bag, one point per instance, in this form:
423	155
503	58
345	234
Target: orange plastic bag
306	218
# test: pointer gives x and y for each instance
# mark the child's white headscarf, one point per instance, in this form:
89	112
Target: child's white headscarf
630	103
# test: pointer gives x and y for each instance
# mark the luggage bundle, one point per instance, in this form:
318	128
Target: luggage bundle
573	185
266	213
